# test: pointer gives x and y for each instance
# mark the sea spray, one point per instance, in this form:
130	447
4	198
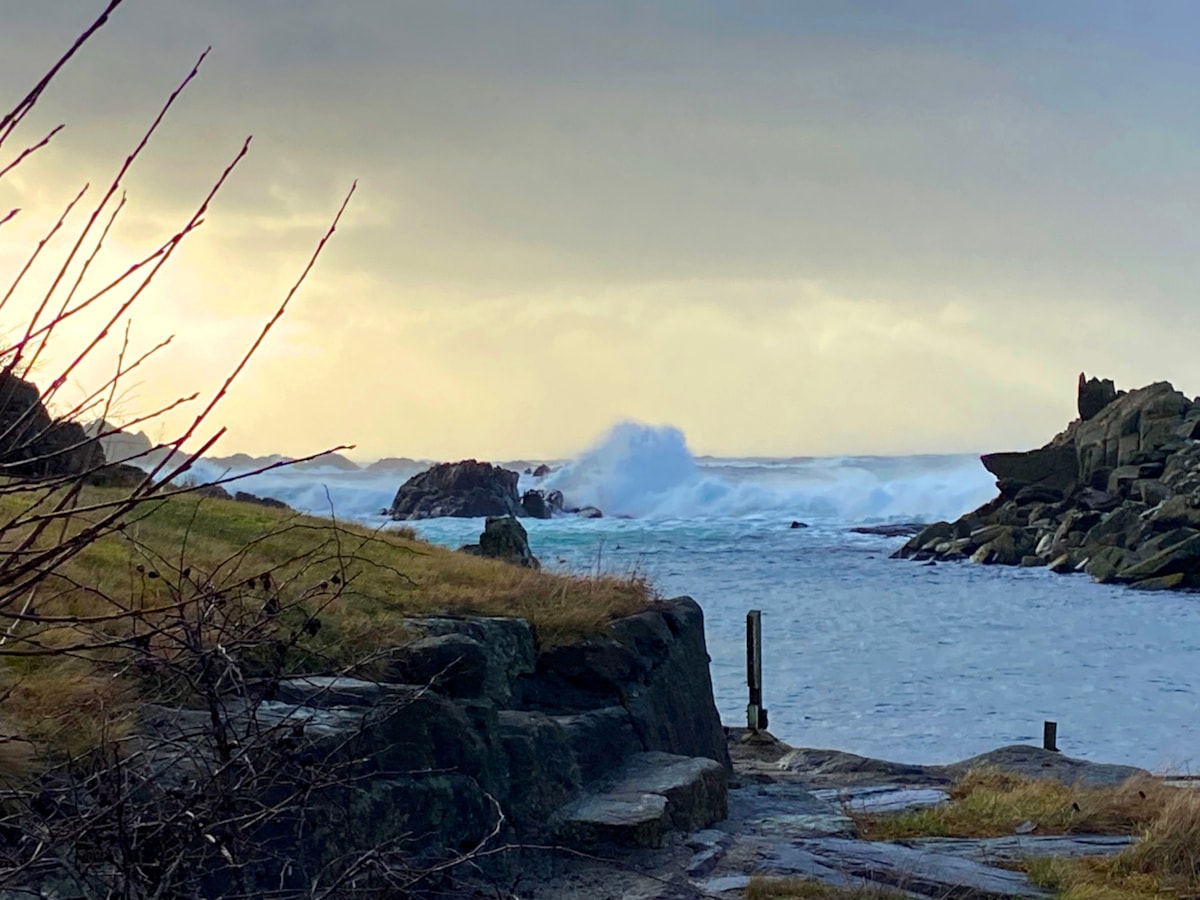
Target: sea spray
648	472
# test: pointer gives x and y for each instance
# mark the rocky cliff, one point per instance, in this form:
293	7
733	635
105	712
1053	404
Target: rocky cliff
1115	495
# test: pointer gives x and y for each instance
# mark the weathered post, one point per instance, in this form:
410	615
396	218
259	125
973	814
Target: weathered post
756	716
1050	735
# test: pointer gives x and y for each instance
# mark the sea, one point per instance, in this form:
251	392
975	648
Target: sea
885	658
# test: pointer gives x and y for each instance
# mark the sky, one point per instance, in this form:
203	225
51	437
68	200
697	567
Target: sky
787	228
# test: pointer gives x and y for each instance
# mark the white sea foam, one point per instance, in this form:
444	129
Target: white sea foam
648	472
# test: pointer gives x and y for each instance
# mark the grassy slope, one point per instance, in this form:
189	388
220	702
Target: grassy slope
360	584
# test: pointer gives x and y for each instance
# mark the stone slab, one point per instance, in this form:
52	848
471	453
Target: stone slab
844	862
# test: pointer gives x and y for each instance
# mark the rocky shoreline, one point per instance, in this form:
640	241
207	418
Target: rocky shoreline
788	817
1115	495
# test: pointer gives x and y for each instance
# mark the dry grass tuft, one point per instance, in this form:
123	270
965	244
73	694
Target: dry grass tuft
988	802
1170	847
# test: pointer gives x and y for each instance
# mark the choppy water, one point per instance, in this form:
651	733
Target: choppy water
861	653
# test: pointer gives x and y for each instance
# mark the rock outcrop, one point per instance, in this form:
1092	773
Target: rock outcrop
467	489
35	445
504	538
1115	495
615	740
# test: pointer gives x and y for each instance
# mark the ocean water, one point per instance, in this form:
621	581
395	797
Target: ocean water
862	653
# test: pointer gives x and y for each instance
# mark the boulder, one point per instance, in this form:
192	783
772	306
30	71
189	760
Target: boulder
542	471
504	538
467	489
533	503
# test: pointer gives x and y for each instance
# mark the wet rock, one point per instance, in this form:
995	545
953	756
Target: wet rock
542	471
504	538
533	504
467	489
797	525
901	529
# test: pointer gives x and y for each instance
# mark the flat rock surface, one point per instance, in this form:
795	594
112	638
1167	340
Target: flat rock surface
926	872
787	817
1023	846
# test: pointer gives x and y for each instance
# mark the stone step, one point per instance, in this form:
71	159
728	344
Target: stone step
649	795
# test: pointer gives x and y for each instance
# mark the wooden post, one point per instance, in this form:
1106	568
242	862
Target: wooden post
1050	736
756	716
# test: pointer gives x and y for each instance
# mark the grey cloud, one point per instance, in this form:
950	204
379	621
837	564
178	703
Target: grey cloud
526	144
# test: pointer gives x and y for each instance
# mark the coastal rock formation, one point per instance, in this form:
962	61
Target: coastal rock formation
467	489
467	723
1115	495
35	445
504	538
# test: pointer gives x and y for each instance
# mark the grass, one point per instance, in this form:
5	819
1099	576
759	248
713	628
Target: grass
988	802
1163	861
357	585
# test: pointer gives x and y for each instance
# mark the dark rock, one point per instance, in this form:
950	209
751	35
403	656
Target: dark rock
504	538
467	489
1183	557
533	503
212	491
1097	501
1094	395
1038	493
1063	565
589	512
542	471
455	664
1120	528
798	525
902	529
650	795
554	501
32	444
116	475
244	497
1106	562
1054	467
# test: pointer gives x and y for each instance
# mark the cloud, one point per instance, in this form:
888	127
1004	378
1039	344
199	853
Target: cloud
786	227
